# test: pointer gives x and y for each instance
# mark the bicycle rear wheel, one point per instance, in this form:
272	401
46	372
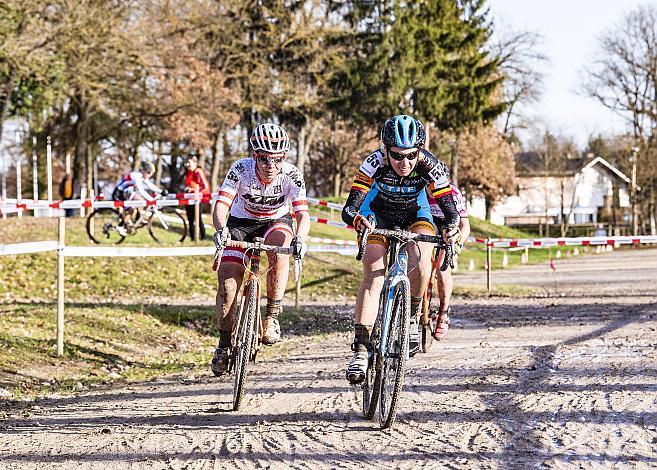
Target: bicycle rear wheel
395	352
102	224
245	338
426	339
167	227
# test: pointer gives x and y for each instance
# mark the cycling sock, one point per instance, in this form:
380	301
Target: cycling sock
274	307
361	336
416	304
224	339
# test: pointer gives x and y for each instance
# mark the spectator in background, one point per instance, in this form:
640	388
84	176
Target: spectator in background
195	182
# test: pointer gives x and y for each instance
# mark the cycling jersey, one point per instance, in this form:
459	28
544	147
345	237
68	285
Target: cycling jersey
394	196
249	198
135	181
459	201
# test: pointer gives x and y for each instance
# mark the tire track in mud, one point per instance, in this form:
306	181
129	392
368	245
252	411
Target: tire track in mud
520	383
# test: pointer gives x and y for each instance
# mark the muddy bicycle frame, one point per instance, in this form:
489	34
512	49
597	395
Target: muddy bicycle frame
387	354
246	336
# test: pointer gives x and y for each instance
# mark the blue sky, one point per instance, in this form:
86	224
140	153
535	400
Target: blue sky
569	30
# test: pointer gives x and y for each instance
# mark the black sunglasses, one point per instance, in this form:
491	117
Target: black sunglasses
400	156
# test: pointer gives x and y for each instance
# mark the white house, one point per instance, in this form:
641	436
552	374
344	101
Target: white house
586	191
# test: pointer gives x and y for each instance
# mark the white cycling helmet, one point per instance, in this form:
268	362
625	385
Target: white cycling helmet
270	138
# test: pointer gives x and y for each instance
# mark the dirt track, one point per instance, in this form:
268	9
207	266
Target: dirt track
557	382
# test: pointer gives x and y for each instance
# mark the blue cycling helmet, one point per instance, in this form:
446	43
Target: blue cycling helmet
403	131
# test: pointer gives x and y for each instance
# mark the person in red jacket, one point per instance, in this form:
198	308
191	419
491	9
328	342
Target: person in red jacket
195	182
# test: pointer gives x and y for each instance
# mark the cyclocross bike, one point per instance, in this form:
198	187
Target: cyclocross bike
246	338
112	225
389	340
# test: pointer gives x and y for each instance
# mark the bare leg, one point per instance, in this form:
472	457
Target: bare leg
367	301
230	276
279	265
445	284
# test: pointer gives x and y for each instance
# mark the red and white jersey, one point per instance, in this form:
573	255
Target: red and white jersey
249	198
437	212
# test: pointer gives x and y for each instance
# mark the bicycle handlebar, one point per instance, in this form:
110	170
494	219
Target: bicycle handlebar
405	236
283	250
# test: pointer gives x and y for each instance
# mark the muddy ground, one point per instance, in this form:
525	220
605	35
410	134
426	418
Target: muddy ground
566	381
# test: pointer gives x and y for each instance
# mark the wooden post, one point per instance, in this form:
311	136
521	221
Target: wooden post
197	219
489	250
35	176
49	173
60	285
83	196
19	190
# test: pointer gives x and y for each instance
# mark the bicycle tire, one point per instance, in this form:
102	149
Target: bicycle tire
426	340
392	381
161	234
95	235
372	384
245	341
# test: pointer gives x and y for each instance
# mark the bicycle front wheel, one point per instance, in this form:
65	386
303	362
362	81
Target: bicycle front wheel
167	227
372	384
102	226
395	352
244	340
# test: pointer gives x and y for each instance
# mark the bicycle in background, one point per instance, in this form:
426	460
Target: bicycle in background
113	225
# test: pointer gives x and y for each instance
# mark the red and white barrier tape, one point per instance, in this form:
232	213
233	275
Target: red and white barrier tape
567	241
180	199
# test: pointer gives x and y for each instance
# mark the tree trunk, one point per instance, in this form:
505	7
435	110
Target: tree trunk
158	162
489	208
301	148
454	167
81	168
5	97
217	158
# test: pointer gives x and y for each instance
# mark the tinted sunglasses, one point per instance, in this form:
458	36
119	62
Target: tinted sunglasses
400	156
271	160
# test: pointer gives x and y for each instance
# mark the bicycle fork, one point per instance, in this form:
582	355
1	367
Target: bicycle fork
396	274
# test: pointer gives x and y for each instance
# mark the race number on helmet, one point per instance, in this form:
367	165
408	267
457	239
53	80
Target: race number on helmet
403	131
270	138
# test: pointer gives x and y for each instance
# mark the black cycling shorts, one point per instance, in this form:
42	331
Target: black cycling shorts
245	230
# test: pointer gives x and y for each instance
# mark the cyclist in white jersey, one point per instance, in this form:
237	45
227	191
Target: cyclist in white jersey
444	281
254	201
135	185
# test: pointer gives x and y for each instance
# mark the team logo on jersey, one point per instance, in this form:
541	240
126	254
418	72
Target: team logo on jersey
264	200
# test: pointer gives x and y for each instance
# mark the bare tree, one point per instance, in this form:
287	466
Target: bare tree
623	78
520	59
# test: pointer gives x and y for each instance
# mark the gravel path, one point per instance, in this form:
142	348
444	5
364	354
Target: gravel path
557	382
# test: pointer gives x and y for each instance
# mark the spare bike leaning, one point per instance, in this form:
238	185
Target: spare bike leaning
246	337
389	340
